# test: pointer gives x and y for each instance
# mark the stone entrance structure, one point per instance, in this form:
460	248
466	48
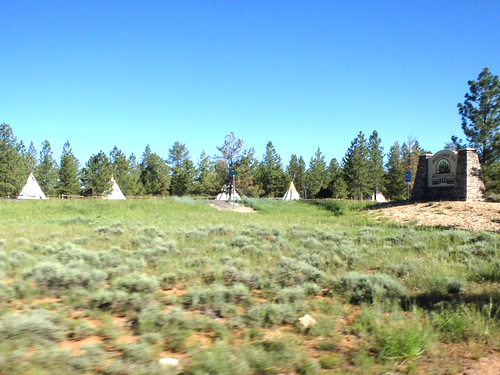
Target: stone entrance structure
449	175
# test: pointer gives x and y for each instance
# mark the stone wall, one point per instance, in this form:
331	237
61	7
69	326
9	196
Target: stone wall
468	185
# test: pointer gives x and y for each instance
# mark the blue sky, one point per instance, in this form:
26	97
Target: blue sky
302	74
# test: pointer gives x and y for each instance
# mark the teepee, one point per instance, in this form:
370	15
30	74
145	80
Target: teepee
291	193
31	190
379	197
227	194
115	192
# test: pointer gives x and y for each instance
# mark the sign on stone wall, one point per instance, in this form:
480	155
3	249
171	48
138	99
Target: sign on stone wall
442	169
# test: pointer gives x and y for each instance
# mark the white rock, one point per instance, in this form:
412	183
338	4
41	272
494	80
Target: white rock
307	321
169	362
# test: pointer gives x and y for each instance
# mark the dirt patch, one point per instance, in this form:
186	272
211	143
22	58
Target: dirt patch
473	216
76	346
229	206
488	365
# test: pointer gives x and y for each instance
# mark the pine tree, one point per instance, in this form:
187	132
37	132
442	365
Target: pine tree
336	185
395	174
296	171
155	176
13	170
31	158
356	168
410	153
481	125
316	175
182	170
270	173
246	181
376	163
205	183
481	116
125	171
97	173
47	170
68	181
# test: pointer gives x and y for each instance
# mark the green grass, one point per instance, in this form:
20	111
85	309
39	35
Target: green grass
141	279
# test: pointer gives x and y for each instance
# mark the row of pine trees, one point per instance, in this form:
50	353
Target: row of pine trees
361	173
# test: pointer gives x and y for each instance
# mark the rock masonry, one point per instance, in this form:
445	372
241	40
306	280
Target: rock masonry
468	184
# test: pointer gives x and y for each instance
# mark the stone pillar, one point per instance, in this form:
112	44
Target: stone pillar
469	185
419	191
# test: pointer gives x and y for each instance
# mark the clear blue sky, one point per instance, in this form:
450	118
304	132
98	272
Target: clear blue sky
302	74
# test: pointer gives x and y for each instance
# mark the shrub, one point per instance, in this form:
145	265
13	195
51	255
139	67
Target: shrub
489	272
219	360
241	241
70	252
270	314
330	361
18	258
216	295
327	345
80	329
453	286
56	275
150	319
35	327
118	300
325	326
290	272
136	283
360	287
290	295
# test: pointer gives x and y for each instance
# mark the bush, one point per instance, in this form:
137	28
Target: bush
118	300
367	288
290	272
35	327
489	272
56	275
270	314
70	253
330	361
136	283
290	295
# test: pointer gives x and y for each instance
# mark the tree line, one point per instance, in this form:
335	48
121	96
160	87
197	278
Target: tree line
360	174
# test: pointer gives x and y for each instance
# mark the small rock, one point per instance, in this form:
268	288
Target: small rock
169	362
307	321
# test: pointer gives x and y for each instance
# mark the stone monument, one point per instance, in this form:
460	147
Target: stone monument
449	175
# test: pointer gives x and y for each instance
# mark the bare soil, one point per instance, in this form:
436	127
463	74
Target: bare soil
473	216
229	206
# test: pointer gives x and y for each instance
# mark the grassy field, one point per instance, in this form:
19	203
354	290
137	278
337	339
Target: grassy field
90	286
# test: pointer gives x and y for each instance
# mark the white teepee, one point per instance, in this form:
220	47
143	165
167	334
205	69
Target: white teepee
115	192
226	195
31	190
378	198
291	193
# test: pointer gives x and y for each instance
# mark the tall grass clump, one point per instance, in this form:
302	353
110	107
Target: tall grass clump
394	335
466	323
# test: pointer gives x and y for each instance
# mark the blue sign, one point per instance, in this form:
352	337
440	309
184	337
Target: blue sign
408	176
